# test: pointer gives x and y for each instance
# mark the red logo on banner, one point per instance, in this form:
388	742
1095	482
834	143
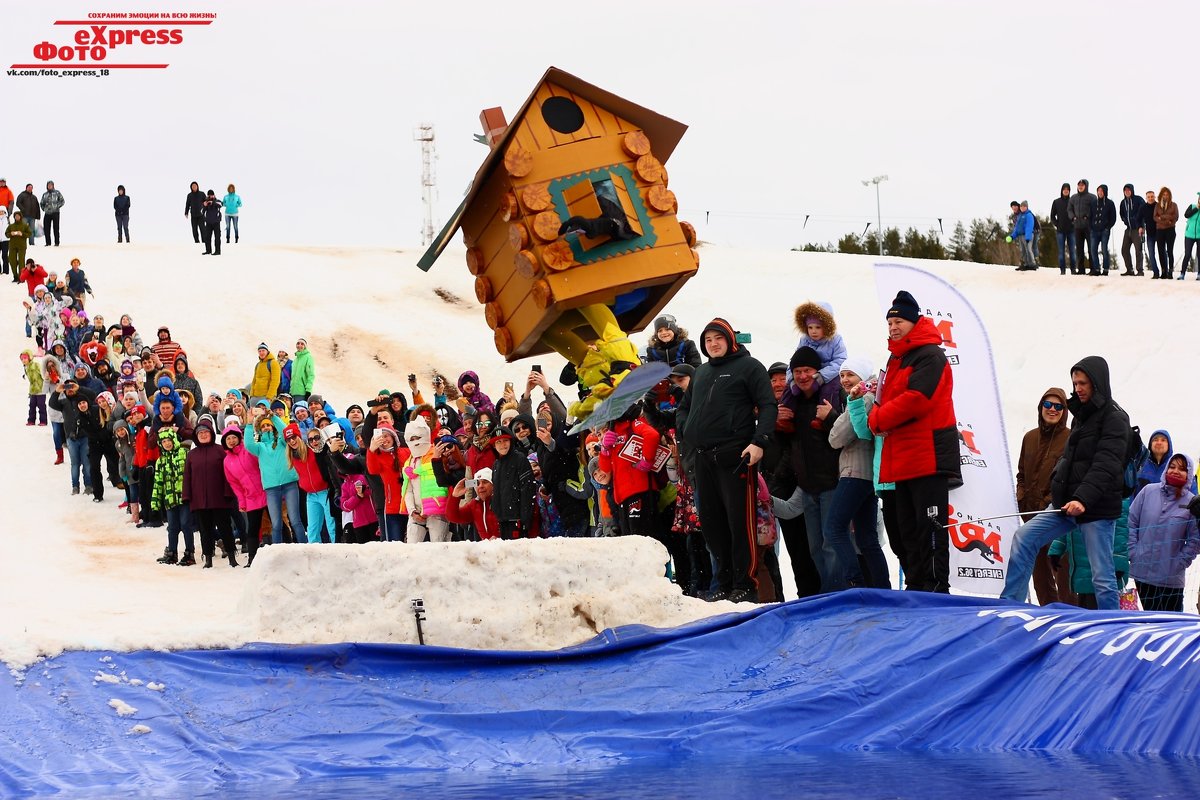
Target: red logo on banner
968	536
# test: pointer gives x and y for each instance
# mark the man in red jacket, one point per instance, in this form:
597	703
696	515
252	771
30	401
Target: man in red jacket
914	413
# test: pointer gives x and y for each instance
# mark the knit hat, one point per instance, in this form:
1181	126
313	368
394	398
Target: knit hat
315	400
278	405
353	406
138	409
291	430
721	326
107	397
303	341
860	366
506	416
805	357
683	371
383	392
299	404
263	346
905	307
777	368
484	474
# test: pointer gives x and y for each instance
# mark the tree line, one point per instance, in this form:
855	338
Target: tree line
982	242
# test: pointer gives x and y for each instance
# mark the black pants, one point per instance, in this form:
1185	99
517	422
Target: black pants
725	495
108	452
214	522
253	532
212	239
361	534
50	224
795	538
146	492
4	259
1083	238
926	541
636	515
197	226
891	526
1159	598
701	571
1165	240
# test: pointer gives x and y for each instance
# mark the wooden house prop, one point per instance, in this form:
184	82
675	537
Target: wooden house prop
569	223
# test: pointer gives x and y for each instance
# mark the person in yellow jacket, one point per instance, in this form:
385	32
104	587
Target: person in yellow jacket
265	383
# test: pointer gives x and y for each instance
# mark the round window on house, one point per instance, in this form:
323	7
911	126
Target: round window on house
562	114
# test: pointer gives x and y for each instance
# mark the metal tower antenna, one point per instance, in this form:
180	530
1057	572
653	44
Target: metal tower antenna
424	135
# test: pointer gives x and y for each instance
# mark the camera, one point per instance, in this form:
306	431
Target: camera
470	483
412	377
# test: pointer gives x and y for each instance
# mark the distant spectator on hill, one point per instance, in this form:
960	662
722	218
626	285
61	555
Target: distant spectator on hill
31	210
233	205
121	209
1132	214
1080	210
193	207
1060	218
52	203
1104	217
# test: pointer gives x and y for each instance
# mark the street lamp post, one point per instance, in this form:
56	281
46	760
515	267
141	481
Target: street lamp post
878	179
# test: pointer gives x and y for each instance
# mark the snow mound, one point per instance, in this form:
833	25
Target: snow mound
122	708
138	730
516	595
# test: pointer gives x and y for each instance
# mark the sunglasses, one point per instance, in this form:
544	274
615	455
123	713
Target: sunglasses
1050	405
314	440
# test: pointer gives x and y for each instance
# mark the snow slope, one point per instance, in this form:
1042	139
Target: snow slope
78	577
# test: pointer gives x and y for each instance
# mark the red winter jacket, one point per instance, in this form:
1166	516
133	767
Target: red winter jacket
145	446
627	479
915	410
475	513
388	469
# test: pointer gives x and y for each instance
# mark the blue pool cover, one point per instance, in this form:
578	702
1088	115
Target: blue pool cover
859	672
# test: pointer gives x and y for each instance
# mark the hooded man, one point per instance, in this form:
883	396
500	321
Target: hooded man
304	371
1080	209
52	203
914	412
1060	218
193	207
1133	209
1104	217
725	419
1040	450
1087	487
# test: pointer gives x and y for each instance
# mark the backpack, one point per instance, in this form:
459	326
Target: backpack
1136	454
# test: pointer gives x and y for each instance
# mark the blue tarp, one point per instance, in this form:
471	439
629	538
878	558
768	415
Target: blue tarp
859	671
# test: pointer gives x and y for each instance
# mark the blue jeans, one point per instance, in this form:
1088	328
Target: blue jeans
228	219
176	517
854	501
276	496
394	527
59	434
1066	244
816	520
78	448
1040	531
1151	252
318	512
1099	246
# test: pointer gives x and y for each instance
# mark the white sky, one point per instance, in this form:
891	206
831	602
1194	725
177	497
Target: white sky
309	107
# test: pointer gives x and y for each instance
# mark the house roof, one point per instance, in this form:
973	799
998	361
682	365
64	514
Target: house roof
664	132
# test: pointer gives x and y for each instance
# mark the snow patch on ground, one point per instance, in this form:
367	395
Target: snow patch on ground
104	677
122	708
155	687
138	730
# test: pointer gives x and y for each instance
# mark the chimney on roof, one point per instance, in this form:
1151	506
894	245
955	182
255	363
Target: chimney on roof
494	124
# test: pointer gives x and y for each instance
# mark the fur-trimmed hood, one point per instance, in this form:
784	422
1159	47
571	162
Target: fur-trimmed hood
822	311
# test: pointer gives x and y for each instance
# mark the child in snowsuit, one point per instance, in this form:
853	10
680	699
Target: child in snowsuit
37	389
167	497
819	331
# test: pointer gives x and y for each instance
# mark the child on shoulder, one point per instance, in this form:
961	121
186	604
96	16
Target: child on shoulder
819	331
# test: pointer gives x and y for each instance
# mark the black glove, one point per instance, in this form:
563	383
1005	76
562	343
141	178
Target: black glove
1056	562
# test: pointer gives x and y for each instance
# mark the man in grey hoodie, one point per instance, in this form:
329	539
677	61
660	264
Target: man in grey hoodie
1080	210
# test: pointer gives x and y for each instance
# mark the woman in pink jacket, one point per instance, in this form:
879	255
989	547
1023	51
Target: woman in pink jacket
241	469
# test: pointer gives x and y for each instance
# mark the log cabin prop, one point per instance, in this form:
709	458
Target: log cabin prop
571	230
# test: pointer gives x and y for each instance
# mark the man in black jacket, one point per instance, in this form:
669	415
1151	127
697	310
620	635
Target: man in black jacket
73	401
211	209
1104	217
726	418
1086	487
1060	218
193	206
1132	208
1151	230
1080	209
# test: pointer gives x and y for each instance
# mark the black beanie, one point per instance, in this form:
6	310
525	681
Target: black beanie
777	367
722	327
904	307
805	357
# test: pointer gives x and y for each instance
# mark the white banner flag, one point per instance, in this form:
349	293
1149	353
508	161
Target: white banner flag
978	550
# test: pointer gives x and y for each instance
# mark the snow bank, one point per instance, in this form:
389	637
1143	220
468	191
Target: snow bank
522	595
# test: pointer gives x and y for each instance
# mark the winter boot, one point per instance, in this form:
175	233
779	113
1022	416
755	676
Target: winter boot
207	561
168	557
59	459
188	560
233	562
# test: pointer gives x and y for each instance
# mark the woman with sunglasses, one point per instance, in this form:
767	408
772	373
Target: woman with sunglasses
1040	450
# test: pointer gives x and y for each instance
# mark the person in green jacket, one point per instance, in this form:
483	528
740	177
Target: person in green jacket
18	233
37	388
304	371
1191	238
